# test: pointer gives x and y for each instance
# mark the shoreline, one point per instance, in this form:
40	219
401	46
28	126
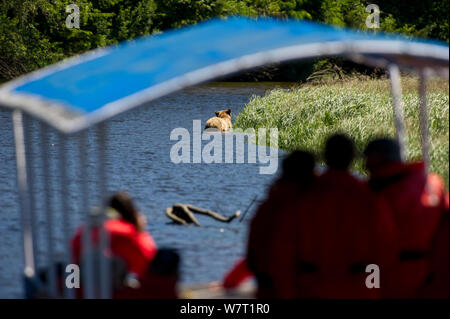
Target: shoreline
307	114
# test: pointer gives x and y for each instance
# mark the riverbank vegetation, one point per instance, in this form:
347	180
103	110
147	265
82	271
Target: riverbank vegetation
306	115
33	33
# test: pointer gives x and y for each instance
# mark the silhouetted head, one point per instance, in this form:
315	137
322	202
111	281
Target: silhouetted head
380	152
166	262
339	152
123	204
298	167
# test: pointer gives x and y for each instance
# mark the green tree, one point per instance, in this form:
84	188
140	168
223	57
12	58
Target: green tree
33	33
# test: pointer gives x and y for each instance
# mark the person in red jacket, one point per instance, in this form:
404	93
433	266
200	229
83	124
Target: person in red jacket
127	236
328	238
237	275
418	201
296	178
159	281
437	283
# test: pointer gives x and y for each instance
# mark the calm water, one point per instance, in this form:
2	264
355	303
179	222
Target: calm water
139	162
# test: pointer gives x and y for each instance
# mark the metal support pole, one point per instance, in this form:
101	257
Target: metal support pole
396	88
32	214
424	120
105	269
48	208
19	140
30	184
65	210
86	252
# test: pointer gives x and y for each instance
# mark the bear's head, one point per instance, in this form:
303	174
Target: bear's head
224	114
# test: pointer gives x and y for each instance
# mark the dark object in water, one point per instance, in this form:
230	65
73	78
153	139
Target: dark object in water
184	214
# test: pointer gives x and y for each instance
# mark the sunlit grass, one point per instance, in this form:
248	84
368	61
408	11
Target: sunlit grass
306	115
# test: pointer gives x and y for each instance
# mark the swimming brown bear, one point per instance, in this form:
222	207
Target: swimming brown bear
221	122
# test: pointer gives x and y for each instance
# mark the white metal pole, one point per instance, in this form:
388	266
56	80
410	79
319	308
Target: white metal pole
32	214
396	88
65	210
86	252
105	271
22	186
48	208
30	184
424	120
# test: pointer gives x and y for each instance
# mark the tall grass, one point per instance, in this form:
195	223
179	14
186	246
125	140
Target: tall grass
306	115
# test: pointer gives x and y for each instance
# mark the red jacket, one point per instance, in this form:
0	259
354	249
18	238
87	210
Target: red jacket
418	202
329	237
437	286
263	230
237	275
136	248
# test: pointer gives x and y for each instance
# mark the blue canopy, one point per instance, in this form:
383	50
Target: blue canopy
84	90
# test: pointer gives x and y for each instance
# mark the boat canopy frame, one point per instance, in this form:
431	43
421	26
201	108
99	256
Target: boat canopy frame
38	98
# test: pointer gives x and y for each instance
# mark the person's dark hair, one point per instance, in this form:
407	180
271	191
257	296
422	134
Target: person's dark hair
123	204
339	152
298	167
385	148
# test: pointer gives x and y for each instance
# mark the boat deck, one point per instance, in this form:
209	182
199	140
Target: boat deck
214	290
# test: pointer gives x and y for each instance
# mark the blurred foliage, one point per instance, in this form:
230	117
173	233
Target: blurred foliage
33	32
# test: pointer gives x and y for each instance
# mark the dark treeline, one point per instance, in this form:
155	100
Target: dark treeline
33	33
